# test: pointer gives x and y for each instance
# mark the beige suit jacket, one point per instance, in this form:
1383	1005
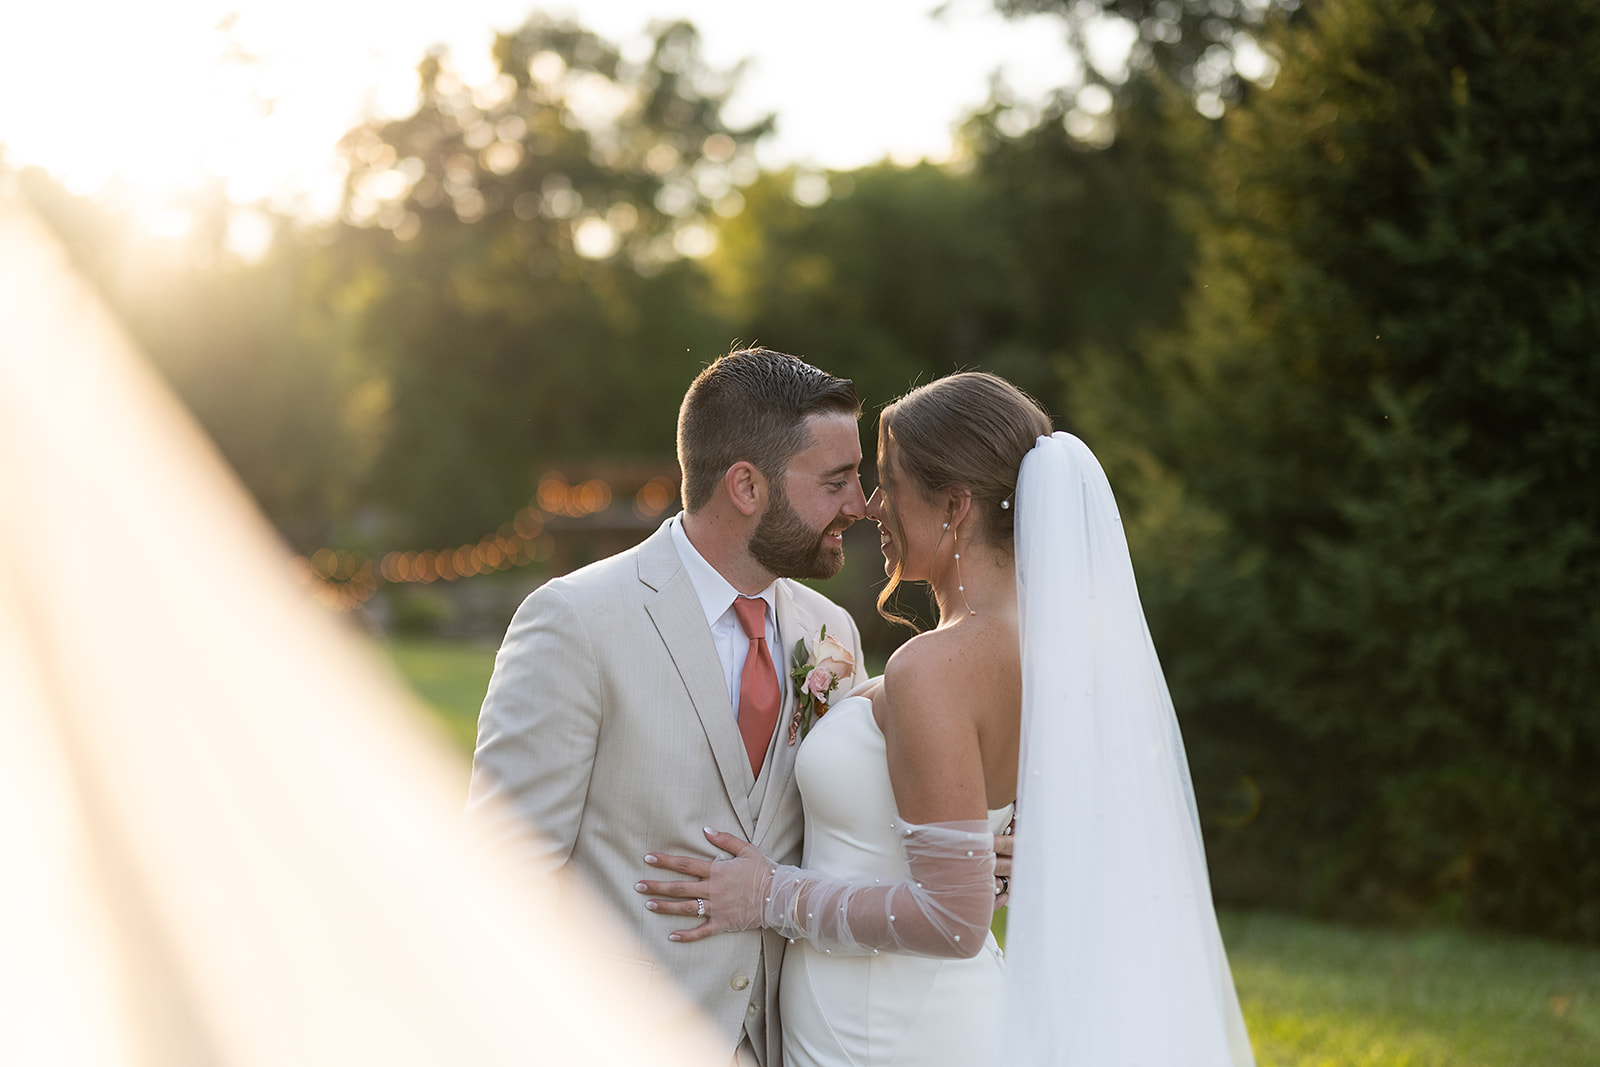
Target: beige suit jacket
608	724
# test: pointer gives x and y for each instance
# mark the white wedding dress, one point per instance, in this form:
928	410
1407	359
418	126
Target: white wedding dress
841	1010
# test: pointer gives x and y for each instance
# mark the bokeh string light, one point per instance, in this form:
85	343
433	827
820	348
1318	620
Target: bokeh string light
345	580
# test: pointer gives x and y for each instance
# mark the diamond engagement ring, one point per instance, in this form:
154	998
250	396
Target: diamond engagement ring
700	907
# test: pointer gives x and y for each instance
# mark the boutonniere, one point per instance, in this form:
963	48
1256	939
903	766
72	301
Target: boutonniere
816	676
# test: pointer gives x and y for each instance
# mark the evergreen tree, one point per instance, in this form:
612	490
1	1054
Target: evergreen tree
1367	502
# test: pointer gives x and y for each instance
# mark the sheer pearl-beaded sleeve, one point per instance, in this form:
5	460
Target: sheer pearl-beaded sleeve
943	909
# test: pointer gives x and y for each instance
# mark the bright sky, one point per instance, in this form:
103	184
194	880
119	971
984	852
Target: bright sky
142	92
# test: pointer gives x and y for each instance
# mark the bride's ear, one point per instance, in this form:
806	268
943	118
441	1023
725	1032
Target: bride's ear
959	507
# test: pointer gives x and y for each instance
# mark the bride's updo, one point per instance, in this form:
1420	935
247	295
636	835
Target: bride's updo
969	430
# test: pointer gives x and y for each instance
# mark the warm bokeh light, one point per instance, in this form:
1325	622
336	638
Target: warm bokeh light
654	497
346	580
557	497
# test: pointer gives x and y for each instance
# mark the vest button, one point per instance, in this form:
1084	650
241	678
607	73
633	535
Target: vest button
739	982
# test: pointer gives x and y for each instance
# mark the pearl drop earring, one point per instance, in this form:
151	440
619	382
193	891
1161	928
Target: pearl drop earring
961	588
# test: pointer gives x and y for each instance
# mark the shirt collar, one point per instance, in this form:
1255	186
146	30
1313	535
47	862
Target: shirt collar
715	593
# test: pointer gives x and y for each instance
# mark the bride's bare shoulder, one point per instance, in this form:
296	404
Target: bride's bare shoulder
949	671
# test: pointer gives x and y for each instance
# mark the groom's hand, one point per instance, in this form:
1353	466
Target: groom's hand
1004	842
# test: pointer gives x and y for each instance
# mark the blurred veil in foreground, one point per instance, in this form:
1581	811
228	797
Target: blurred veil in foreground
226	835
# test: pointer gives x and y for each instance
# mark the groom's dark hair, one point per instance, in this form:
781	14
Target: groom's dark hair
752	405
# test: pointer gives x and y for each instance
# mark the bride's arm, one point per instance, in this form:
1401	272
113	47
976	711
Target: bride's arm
942	910
945	906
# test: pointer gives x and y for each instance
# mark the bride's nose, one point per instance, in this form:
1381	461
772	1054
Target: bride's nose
875	505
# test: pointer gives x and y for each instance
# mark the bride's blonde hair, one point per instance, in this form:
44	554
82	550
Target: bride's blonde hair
965	431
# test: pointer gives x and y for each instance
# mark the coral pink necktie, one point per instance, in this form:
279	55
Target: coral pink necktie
758	683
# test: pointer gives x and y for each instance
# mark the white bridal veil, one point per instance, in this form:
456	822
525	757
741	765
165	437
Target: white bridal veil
1113	955
227	837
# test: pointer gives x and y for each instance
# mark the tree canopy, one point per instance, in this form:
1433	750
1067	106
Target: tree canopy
1193	44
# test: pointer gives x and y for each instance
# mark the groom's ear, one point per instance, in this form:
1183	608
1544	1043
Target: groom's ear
746	486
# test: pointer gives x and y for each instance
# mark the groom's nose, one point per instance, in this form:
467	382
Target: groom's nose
856	507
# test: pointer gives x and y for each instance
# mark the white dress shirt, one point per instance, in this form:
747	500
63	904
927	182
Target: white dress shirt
716	599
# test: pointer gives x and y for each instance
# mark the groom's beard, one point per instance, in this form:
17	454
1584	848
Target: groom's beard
787	547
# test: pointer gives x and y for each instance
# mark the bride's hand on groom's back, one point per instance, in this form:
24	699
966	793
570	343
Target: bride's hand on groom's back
727	893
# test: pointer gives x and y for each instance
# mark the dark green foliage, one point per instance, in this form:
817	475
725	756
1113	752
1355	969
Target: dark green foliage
893	279
504	343
1046	248
1377	449
419	612
1098	258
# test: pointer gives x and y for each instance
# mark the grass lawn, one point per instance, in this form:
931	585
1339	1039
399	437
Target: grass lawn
450	677
1314	995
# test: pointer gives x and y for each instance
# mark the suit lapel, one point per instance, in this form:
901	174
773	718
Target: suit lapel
678	618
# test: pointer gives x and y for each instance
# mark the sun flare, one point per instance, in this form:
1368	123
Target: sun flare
158	107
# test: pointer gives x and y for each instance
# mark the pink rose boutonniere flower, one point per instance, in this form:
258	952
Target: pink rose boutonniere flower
815	676
819	683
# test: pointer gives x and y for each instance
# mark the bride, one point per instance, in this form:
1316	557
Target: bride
1039	683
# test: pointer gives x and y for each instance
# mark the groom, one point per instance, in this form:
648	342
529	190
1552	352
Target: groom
646	696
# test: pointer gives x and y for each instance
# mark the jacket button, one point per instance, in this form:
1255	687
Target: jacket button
739	981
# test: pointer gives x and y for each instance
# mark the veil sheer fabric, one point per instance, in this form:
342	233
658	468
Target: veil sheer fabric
227	836
1113	953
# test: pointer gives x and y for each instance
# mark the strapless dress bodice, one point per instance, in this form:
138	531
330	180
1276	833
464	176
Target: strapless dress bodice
887	1009
852	825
